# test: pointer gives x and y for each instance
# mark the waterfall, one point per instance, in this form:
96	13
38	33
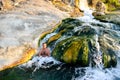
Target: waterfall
83	4
88	17
98	59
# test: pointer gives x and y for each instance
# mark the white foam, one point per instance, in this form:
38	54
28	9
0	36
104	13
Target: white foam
40	62
46	38
95	74
83	5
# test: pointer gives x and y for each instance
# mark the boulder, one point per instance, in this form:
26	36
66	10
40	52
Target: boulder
110	17
72	51
100	9
75	44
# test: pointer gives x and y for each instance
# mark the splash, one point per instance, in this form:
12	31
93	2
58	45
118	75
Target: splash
40	62
94	74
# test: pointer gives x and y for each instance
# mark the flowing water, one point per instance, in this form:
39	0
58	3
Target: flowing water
84	5
40	68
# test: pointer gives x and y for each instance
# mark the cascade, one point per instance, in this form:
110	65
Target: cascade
83	4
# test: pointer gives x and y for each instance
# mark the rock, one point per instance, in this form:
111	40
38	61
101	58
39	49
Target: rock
21	27
93	3
75	43
112	5
9	4
98	13
109	59
76	12
15	55
6	4
100	9
62	5
55	37
72	51
70	6
110	17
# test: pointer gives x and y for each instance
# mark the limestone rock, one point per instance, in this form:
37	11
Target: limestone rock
9	4
76	12
20	28
100	9
10	57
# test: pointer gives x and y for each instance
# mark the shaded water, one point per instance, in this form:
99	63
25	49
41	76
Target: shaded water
65	72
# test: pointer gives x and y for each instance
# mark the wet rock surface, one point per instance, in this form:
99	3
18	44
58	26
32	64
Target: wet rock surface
76	42
110	17
22	25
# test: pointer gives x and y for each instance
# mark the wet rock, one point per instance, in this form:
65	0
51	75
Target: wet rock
75	43
110	17
100	9
72	51
20	28
109	59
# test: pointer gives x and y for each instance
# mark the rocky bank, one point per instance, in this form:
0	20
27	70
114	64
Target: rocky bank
20	28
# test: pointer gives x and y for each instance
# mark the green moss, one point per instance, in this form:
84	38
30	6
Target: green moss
60	48
109	58
77	48
112	4
106	60
110	17
42	38
71	54
55	37
85	55
86	31
65	26
69	23
72	50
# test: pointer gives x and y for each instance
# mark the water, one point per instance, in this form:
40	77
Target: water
83	5
40	62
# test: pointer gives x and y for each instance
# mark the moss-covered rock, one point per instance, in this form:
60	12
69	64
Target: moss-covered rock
110	17
112	4
109	59
72	50
86	31
75	43
55	37
69	23
64	28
